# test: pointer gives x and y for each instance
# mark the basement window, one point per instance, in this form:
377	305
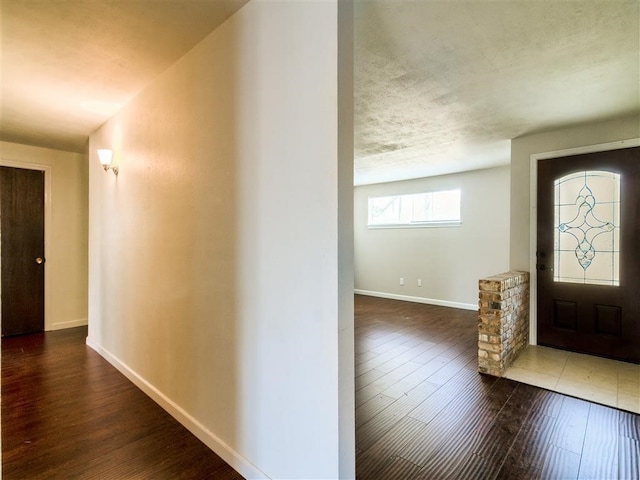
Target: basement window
429	209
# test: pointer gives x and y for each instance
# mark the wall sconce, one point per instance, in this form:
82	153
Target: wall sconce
106	156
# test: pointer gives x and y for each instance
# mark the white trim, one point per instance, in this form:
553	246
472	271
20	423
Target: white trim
81	322
243	466
533	214
47	229
407	298
434	224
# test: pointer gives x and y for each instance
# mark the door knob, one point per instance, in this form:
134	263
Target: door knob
39	260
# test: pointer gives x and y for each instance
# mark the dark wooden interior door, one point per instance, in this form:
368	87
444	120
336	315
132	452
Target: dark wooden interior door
588	254
22	245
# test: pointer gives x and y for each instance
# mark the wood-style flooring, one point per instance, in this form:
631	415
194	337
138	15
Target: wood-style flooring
423	411
68	414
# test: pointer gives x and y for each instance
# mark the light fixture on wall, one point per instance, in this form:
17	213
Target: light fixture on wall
106	157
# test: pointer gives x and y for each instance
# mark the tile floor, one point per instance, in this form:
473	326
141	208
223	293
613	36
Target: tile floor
608	382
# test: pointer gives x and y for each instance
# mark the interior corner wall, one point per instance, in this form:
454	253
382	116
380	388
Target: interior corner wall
448	260
214	274
521	151
346	346
68	236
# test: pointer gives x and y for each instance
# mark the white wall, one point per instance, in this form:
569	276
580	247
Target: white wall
346	347
67	229
449	260
214	274
521	150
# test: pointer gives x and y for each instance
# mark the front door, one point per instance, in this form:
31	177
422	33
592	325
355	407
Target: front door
22	246
588	253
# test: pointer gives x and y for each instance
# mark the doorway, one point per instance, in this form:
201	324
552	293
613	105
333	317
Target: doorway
588	263
22	259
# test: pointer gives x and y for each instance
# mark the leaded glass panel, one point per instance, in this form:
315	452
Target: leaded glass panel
587	228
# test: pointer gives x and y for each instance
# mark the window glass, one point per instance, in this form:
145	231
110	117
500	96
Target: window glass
417	209
587	228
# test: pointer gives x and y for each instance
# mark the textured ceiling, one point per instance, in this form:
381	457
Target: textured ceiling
68	65
440	86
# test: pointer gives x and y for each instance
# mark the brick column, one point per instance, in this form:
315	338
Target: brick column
503	321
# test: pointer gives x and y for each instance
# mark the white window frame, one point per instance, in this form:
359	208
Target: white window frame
414	223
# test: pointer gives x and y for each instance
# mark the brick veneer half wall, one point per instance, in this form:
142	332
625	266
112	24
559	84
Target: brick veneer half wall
503	321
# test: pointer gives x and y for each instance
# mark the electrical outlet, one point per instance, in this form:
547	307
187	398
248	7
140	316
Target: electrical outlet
401	280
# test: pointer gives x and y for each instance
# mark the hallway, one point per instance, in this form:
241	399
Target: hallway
67	413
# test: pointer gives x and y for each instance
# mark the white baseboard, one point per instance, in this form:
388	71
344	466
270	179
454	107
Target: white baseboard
71	324
233	458
407	298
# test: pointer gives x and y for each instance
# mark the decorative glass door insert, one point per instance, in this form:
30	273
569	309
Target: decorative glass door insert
587	228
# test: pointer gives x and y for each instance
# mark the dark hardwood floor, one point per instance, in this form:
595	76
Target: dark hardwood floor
423	411
68	414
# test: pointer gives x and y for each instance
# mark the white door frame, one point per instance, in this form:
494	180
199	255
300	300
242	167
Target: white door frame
533	215
47	229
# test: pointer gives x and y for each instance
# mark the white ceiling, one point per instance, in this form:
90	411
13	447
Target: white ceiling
440	86
69	65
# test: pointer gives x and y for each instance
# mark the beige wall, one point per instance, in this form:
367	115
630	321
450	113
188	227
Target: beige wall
214	275
449	260
66	267
521	150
